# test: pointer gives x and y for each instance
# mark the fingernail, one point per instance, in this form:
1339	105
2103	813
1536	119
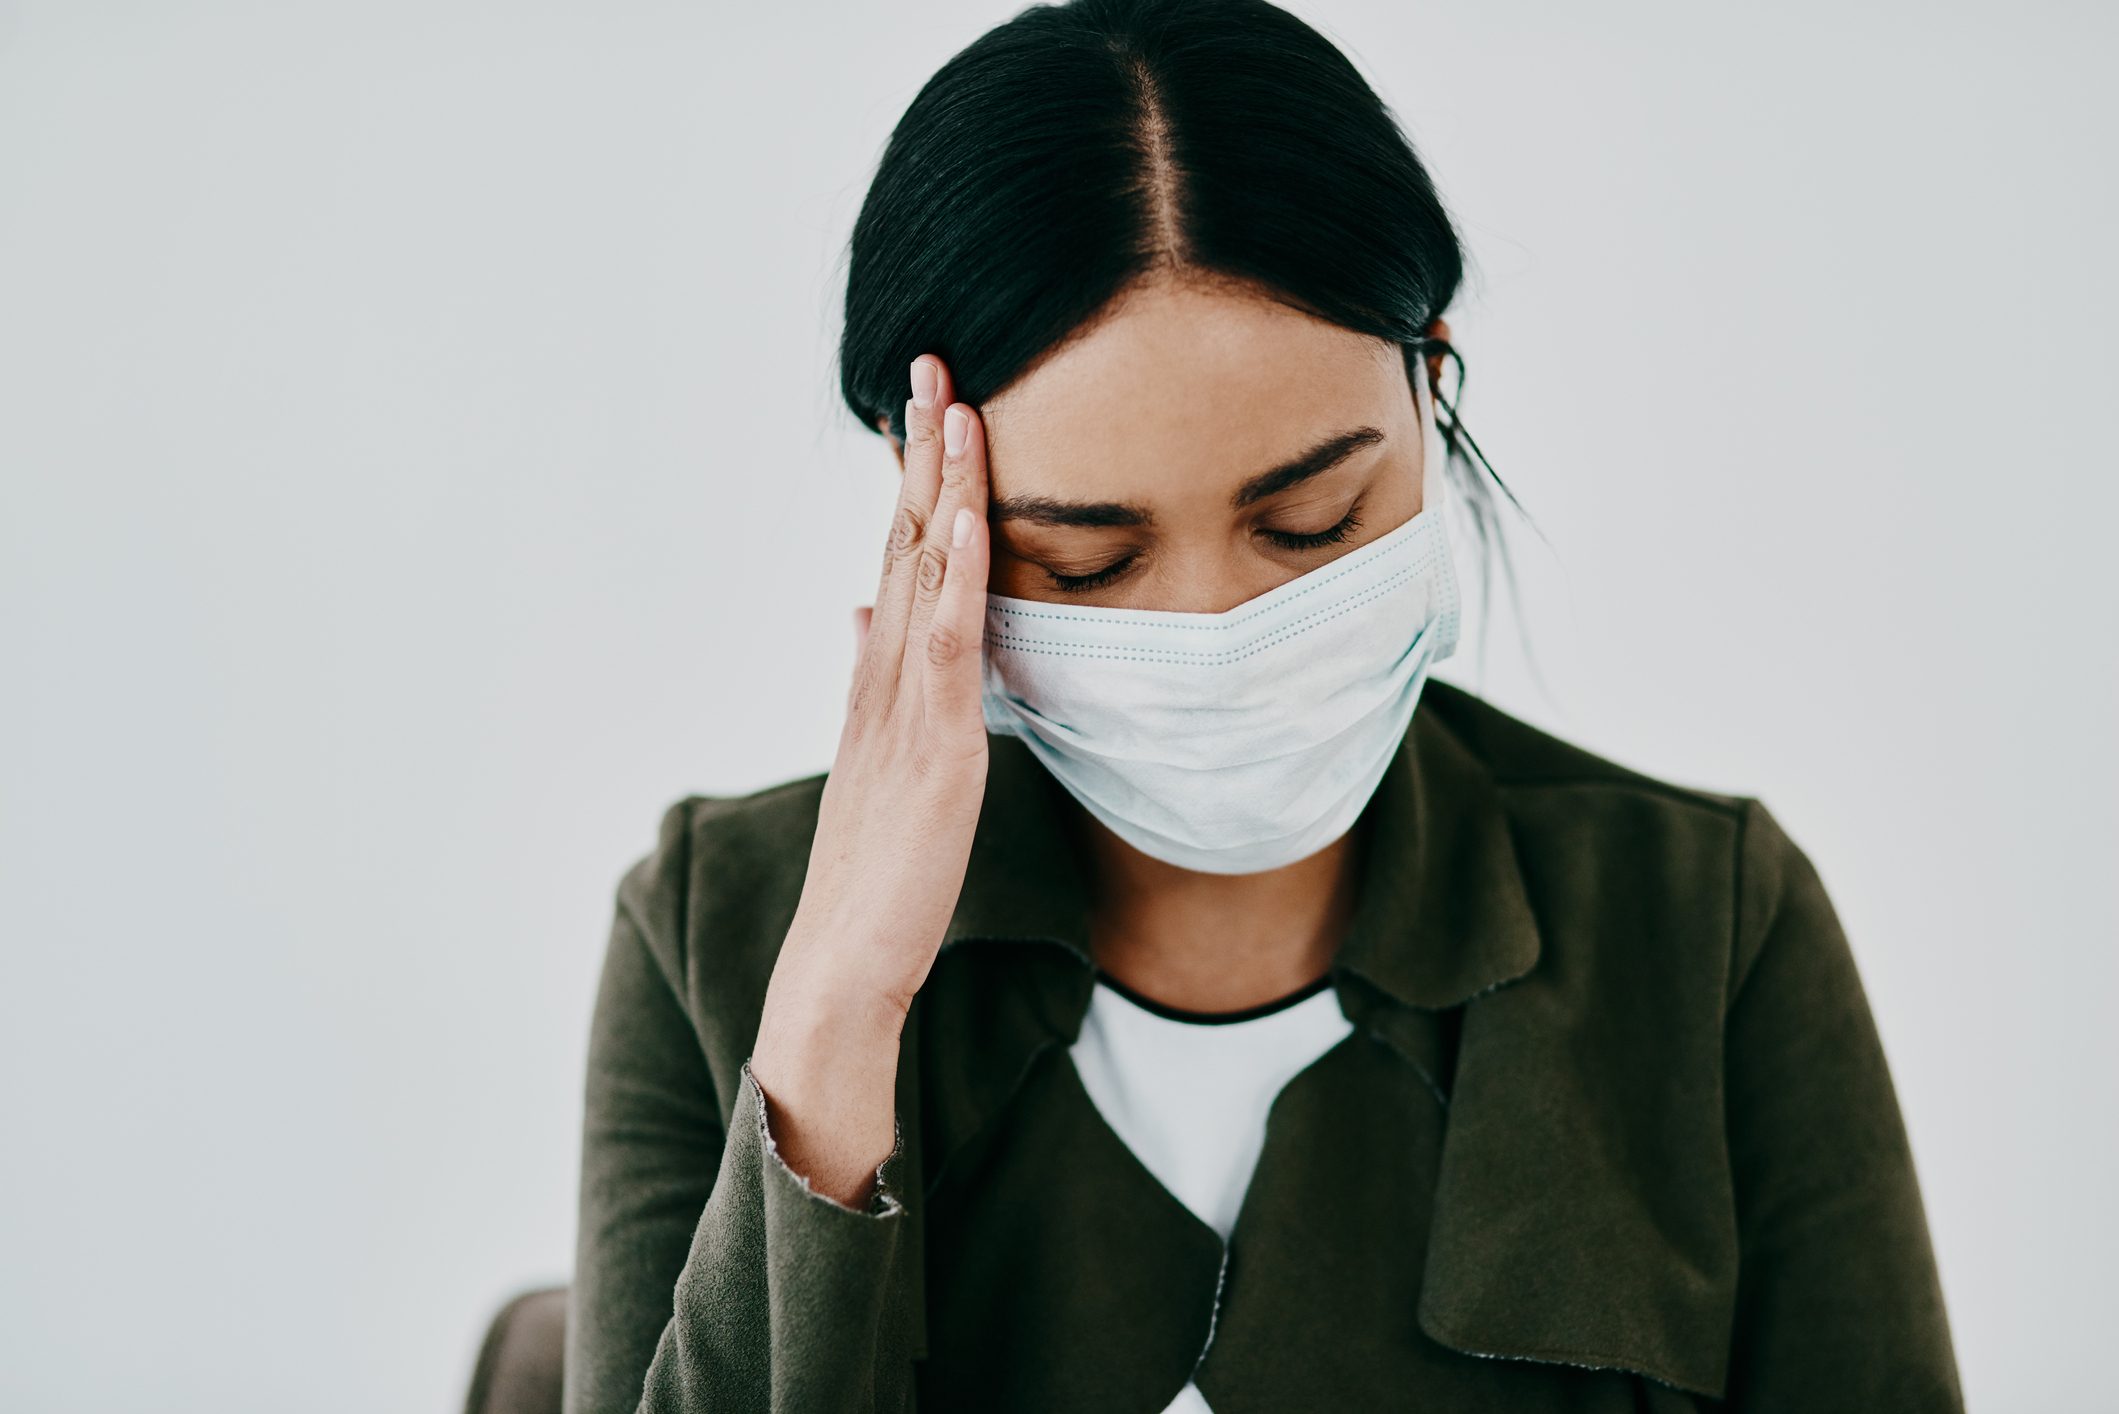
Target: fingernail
922	383
960	531
954	423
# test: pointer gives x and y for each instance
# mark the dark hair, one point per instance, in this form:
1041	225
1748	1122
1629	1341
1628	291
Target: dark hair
1080	149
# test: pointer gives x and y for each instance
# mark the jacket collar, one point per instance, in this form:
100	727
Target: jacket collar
1442	915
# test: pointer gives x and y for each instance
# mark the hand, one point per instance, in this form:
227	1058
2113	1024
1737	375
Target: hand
900	803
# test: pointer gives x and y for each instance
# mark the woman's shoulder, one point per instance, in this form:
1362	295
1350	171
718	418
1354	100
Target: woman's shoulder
1525	758
1603	837
729	868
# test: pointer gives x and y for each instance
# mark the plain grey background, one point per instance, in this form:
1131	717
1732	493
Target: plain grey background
422	464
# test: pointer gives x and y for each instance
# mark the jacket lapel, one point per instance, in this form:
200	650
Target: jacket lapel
1551	1238
1584	1209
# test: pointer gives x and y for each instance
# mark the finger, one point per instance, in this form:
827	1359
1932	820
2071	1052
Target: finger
963	484
954	644
910	521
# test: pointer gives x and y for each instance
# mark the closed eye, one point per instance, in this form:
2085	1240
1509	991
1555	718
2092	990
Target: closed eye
1286	539
1289	540
1082	583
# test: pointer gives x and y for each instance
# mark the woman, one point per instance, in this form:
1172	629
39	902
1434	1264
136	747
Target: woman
1171	999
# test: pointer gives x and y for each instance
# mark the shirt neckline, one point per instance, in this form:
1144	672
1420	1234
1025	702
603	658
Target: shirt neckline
1215	1018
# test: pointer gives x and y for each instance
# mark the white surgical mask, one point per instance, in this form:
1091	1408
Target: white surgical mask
1245	740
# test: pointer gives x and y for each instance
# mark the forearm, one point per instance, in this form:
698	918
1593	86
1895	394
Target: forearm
826	1060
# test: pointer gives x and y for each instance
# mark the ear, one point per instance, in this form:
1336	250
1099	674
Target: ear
897	448
1439	329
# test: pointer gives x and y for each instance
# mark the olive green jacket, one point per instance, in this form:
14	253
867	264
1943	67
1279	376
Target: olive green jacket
1613	1131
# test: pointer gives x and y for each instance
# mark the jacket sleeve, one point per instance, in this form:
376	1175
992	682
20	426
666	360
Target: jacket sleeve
710	1278
1839	1303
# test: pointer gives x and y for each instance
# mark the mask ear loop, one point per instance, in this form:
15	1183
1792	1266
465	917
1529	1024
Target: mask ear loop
1438	506
1453	431
1434	449
1478	511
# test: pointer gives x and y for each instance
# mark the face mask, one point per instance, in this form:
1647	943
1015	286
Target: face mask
1241	741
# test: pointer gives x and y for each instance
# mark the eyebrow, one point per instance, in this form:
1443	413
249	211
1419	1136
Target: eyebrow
1045	510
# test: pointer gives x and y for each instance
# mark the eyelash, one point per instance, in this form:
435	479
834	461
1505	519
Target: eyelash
1287	540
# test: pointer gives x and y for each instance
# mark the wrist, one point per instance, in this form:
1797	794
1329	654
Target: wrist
815	1005
836	969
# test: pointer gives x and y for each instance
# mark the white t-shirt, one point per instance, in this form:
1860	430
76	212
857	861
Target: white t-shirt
1188	1091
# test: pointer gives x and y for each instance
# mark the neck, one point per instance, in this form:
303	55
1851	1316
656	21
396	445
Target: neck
1214	942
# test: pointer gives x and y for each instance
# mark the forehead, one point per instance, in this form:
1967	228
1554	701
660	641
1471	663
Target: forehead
1186	391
